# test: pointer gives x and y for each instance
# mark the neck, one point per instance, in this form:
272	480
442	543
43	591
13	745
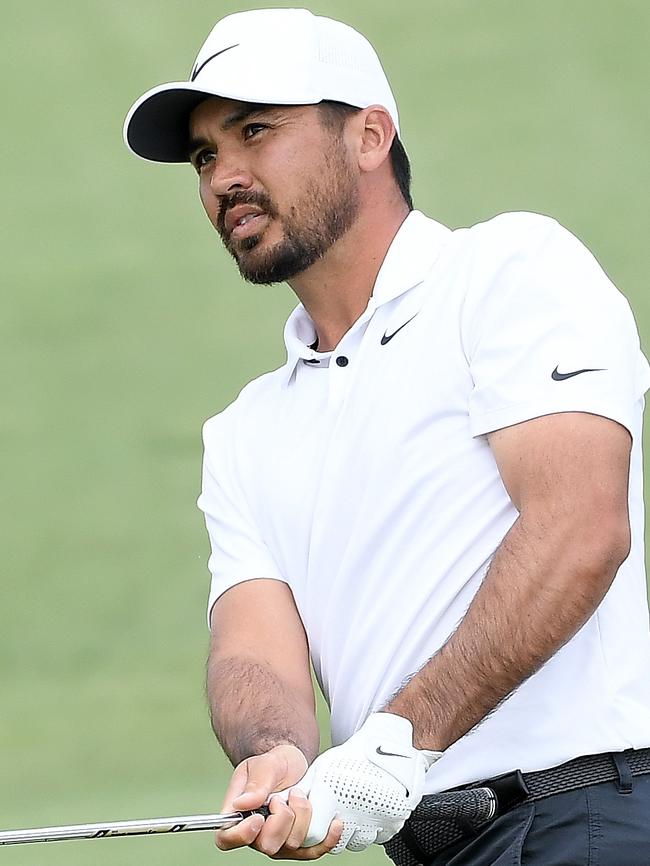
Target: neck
335	290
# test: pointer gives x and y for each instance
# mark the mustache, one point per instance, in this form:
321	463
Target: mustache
260	199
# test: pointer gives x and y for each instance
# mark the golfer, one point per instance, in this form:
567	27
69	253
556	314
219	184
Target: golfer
437	500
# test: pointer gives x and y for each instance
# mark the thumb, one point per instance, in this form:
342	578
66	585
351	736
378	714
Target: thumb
260	781
265	774
253	796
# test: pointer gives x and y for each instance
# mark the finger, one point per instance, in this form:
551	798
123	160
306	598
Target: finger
277	827
315	851
244	834
301	808
324	809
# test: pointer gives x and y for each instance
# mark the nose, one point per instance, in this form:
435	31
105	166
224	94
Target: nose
229	176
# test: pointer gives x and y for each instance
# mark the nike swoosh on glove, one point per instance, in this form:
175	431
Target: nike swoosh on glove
372	782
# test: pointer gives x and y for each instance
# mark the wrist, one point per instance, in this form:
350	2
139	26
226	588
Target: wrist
392	727
423	738
386	723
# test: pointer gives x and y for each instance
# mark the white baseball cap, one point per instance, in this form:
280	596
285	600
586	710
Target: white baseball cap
267	56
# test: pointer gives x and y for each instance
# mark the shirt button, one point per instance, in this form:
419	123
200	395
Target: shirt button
342	361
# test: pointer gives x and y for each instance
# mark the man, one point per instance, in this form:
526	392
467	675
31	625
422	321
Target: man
436	500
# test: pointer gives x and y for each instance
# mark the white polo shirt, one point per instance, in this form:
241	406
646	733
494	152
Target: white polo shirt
363	479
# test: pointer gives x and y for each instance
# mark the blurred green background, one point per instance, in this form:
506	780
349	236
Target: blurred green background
124	325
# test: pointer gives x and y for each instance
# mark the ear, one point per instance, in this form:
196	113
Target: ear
377	134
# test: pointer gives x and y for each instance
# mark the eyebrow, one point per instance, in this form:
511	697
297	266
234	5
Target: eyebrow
231	120
242	113
195	144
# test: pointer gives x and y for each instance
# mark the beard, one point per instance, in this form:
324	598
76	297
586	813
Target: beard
326	210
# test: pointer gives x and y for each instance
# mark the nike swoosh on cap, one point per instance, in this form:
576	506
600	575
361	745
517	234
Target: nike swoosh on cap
388	337
560	377
197	68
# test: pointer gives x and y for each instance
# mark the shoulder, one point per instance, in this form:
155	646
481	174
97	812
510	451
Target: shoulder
527	275
510	234
524	251
508	246
515	224
249	408
528	240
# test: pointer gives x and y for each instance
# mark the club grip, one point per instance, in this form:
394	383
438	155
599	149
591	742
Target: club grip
263	810
470	808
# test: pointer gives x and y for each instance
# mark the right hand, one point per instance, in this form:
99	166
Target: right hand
283	832
372	782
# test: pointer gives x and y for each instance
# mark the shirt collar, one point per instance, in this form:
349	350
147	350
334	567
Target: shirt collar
414	249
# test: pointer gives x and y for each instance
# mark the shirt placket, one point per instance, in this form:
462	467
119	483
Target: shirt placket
344	359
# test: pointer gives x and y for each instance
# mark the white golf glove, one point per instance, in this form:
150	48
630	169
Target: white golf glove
372	782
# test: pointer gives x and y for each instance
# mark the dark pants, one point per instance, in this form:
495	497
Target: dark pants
602	825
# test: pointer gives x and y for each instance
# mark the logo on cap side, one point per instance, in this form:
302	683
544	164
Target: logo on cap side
198	68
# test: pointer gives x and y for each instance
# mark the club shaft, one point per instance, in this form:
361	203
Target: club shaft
145	826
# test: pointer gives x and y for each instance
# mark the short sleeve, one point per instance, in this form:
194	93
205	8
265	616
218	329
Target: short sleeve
238	553
546	331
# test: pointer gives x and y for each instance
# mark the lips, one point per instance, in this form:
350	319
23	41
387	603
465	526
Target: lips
244	219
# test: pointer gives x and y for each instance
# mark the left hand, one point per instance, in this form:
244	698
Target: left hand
281	835
372	783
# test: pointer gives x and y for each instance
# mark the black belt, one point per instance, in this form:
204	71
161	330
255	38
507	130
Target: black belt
423	836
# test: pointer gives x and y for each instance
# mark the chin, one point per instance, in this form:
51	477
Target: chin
249	244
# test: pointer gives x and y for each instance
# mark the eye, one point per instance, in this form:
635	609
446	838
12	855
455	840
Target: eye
252	129
203	158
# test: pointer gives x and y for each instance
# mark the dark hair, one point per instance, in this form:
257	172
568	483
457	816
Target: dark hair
335	114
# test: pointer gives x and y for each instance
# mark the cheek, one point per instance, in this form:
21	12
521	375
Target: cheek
208	199
282	171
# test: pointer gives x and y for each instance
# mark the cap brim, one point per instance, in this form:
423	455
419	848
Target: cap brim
157	126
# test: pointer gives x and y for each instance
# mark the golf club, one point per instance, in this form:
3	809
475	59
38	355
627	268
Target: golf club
473	807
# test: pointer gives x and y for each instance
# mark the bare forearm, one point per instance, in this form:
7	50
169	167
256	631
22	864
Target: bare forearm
253	709
536	595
